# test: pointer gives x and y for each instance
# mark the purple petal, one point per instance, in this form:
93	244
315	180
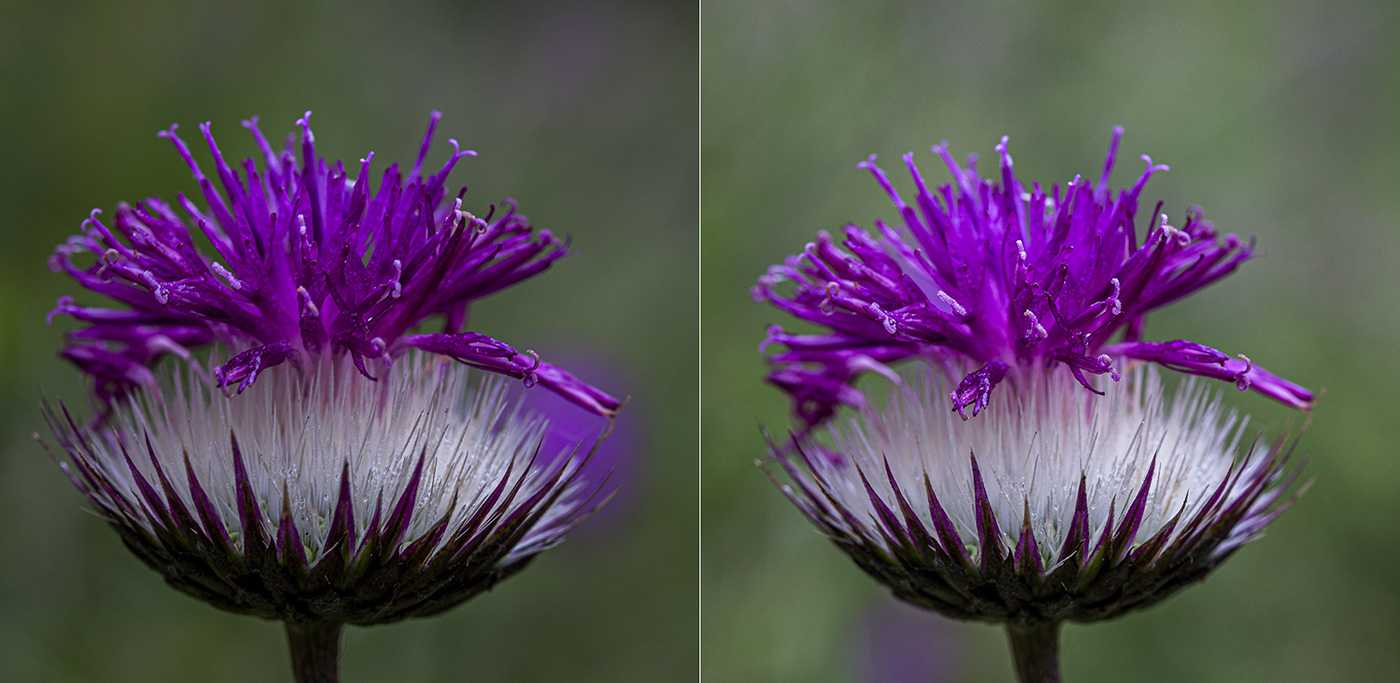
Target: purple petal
1198	359
982	273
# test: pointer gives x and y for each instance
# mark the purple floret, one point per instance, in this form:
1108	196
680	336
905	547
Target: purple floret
991	274
309	260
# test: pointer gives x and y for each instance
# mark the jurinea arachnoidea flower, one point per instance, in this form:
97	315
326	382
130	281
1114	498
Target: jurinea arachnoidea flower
1059	506
999	277
1084	492
332	465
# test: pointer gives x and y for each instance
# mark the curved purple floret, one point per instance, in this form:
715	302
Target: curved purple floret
999	276
308	260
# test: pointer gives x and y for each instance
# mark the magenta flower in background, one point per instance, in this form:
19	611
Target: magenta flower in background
616	464
897	643
340	466
999	278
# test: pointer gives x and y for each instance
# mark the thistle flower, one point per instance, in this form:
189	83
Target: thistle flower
309	261
1006	279
339	467
1060	505
328	499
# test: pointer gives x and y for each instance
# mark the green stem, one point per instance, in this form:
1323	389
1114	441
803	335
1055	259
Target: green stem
315	650
1035	648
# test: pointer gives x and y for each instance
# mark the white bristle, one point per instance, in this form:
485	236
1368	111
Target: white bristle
296	430
1041	433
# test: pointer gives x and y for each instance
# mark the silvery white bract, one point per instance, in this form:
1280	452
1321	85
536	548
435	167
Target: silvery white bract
1061	506
329	497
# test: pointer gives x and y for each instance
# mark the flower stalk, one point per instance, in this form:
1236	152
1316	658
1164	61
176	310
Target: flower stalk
1035	651
315	650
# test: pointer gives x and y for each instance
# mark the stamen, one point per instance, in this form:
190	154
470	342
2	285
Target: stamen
396	287
1242	382
531	379
161	292
952	303
884	318
233	280
305	123
91	219
109	259
827	306
1037	329
1170	232
773	331
1002	149
1108	361
309	309
64	305
453	219
1111	303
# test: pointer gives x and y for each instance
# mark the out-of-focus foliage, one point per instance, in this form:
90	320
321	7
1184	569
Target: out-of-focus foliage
584	112
1277	118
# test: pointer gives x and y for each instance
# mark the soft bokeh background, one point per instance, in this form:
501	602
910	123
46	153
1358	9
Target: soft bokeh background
1279	118
583	111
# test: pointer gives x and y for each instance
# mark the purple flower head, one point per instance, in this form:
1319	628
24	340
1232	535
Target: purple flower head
1004	278
309	260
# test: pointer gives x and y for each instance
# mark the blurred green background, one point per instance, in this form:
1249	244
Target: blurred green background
1279	118
585	112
